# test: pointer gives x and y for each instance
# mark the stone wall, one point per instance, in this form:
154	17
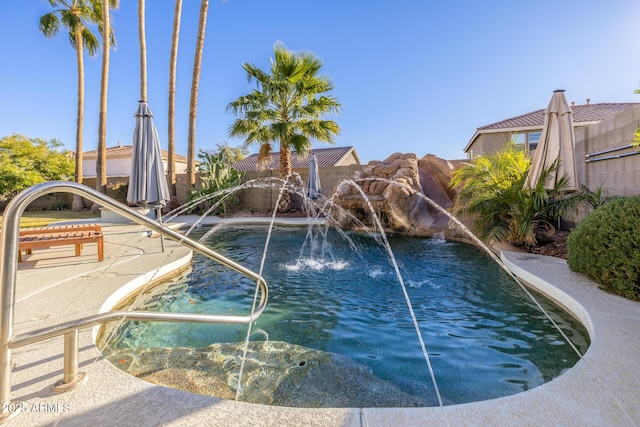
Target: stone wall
617	167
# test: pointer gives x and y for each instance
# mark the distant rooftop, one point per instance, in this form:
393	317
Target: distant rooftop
582	115
333	156
126	151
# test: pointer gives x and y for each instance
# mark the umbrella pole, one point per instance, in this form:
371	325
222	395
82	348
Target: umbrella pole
159	217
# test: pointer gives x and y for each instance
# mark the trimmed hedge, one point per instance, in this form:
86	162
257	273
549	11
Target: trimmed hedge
606	247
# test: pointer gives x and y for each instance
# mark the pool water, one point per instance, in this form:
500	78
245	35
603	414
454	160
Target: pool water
338	293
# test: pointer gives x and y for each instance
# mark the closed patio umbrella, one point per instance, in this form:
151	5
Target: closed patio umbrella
313	187
557	142
147	183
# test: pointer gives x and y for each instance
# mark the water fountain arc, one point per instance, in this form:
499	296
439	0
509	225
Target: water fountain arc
488	250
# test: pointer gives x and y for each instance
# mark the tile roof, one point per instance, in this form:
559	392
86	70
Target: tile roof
582	114
125	151
325	156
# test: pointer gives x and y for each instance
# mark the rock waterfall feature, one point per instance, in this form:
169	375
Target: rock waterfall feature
395	188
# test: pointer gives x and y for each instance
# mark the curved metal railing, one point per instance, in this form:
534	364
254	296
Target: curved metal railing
9	244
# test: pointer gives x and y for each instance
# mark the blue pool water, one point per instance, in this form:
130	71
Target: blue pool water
484	336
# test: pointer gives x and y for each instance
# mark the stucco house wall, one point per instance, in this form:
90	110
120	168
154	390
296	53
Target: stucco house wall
122	167
489	143
115	167
118	162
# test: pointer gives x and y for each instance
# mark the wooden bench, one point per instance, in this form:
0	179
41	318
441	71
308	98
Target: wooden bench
61	235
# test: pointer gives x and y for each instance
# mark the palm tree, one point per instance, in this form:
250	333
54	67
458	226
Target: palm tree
173	61
193	103
76	16
107	33
287	106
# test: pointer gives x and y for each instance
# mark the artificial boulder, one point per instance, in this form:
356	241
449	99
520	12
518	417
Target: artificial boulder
407	194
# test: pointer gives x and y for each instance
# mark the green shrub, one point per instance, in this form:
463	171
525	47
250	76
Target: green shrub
60	205
605	246
217	173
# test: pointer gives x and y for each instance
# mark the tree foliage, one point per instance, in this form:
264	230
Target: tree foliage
287	107
76	16
28	161
231	154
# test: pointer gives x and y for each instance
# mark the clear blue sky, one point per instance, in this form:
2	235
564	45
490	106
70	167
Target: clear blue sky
412	75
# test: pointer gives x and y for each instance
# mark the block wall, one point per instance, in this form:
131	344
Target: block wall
604	156
263	199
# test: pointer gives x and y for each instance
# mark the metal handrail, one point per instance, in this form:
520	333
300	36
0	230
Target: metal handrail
60	329
9	246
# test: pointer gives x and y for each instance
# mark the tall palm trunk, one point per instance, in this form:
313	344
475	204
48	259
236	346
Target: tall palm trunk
142	39
285	160
101	163
195	81
173	63
286	199
78	204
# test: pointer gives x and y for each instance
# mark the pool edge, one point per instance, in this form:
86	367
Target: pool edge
600	390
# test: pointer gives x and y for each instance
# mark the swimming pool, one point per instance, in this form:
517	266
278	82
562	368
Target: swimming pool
337	330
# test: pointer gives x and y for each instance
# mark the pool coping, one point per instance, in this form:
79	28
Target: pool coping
600	390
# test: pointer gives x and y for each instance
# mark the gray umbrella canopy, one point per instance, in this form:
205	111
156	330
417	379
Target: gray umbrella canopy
313	188
147	183
557	142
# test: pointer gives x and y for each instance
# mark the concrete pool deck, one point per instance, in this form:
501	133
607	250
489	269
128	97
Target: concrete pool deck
603	389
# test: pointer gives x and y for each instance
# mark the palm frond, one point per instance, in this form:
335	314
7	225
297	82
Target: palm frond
90	41
49	24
